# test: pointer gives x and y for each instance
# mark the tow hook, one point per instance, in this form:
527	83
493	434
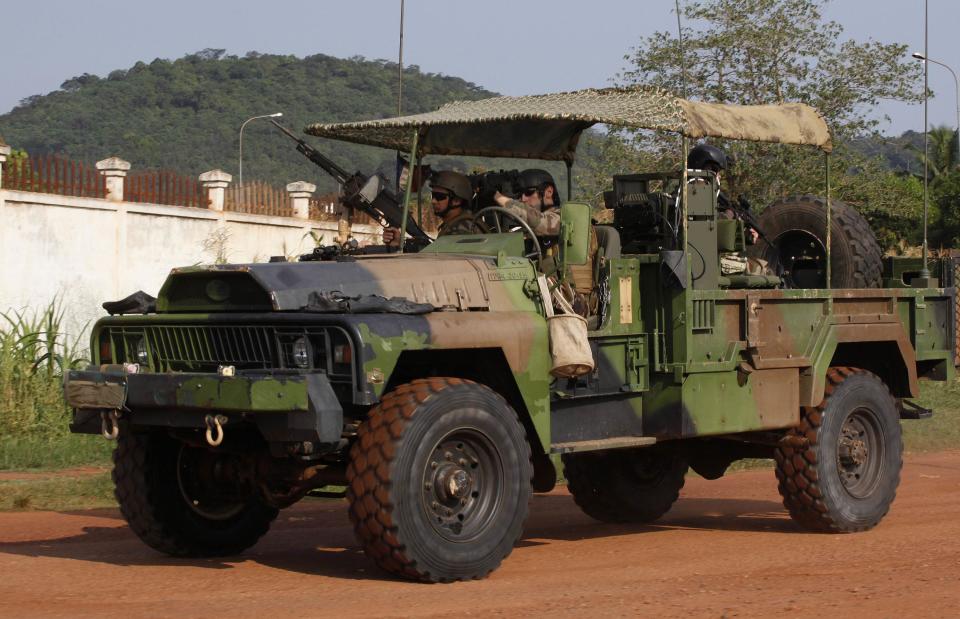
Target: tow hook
214	431
109	427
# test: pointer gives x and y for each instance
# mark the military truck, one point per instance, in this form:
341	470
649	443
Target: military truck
421	382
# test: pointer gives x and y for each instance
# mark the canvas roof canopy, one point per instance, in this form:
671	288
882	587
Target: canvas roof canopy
549	126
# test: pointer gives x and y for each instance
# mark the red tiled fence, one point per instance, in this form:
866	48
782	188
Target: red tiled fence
53	174
56	174
163	187
259	198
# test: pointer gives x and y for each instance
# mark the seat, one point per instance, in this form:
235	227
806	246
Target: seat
608	247
730	240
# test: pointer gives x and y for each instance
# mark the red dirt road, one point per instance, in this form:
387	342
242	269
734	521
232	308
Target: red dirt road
727	548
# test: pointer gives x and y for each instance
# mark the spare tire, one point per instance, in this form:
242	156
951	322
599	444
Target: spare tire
793	242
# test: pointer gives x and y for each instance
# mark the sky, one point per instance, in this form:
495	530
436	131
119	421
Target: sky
513	47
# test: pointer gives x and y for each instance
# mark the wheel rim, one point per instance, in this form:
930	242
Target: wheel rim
648	468
208	484
461	485
860	453
803	258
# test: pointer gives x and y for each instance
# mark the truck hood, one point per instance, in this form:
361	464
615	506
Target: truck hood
454	282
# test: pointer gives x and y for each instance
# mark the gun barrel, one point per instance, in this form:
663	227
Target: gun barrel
315	156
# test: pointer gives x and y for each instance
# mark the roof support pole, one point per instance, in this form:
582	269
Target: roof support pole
569	179
826	172
684	149
409	190
418	169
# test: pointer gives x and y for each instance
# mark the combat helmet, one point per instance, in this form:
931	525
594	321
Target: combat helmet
454	182
535	177
703	155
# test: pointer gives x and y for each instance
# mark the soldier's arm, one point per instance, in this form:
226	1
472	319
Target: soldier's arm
546	223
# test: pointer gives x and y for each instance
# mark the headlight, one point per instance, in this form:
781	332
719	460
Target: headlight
301	353
140	351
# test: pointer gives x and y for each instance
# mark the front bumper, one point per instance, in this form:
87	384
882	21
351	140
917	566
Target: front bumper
292	408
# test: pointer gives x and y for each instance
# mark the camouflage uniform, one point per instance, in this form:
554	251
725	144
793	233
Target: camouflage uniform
461	224
544	223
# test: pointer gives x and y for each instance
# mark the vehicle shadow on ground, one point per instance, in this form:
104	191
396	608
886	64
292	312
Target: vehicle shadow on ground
315	537
551	519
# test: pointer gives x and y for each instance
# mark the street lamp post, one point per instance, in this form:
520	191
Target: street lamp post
275	115
956	85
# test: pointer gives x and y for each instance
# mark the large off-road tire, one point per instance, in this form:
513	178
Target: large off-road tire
439	480
176	502
796	231
625	485
842	472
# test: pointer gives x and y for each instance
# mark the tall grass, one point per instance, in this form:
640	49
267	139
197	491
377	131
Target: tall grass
34	419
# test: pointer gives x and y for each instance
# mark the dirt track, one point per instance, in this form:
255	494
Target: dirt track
726	549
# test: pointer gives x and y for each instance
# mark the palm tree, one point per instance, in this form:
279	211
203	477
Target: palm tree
942	156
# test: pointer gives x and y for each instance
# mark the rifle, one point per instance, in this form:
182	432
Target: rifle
742	209
487	184
370	195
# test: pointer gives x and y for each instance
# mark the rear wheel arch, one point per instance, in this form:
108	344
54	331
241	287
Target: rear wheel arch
883	359
886	353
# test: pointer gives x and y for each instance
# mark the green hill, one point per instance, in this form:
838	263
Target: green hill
185	114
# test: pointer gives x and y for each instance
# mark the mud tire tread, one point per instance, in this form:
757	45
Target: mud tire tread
798	474
371	510
139	480
599	491
865	270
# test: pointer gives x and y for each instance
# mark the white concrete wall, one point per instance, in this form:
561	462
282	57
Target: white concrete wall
86	251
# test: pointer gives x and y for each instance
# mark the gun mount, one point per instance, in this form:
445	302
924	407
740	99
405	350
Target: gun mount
369	194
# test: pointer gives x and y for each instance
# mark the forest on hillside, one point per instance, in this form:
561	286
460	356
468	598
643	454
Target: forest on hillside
185	114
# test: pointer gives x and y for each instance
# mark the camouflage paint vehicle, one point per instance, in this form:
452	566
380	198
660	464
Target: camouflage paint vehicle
422	382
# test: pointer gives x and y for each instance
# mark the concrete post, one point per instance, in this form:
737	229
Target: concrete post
344	228
4	153
215	182
115	169
300	192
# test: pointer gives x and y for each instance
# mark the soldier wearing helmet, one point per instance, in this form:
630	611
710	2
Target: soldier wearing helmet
710	158
539	203
539	206
450	197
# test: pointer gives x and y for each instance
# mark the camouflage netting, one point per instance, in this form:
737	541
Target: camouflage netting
549	126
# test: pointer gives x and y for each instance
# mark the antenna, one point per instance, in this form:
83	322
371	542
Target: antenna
400	67
925	272
683	61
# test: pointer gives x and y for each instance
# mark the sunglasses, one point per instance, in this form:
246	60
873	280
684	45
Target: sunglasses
439	196
530	191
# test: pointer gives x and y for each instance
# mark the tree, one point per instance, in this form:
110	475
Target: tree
941	157
776	51
945	195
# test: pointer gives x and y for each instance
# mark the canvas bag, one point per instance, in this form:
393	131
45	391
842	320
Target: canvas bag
569	347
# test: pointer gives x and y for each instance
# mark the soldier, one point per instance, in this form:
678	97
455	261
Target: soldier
539	204
450	198
712	159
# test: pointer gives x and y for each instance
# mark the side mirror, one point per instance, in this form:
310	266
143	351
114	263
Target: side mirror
574	234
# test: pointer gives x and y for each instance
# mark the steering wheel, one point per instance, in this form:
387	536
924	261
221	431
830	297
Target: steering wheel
498	212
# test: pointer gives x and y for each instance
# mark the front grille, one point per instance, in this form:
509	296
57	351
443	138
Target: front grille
203	348
196	348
